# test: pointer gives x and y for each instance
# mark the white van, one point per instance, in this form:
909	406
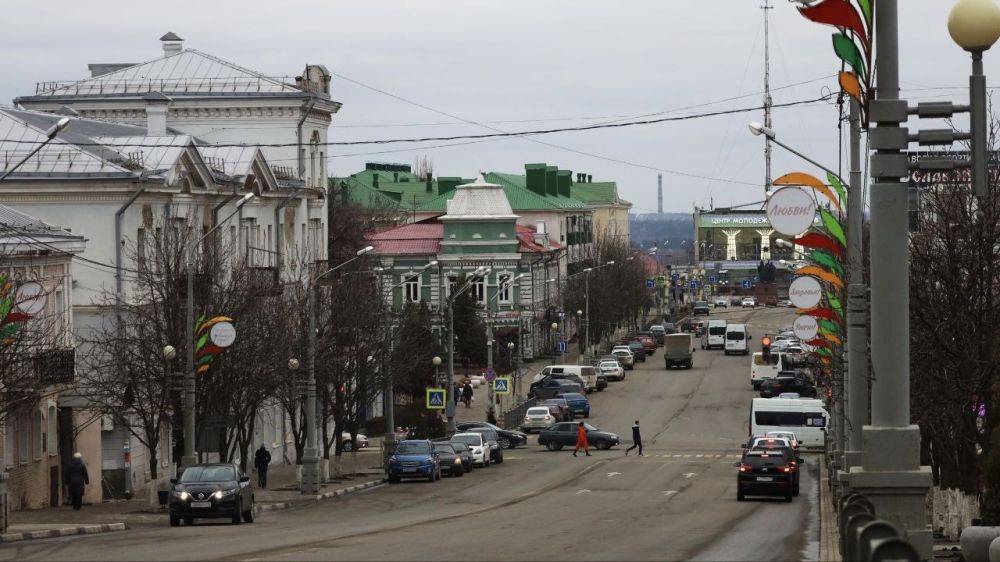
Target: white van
765	368
715	335
736	339
805	417
584	375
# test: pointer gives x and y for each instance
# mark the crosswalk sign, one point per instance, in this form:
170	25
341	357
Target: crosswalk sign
501	385
650	284
436	398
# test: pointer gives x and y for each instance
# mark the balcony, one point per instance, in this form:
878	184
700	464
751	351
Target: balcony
55	366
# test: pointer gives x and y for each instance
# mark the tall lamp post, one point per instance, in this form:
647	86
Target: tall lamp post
190	456
310	455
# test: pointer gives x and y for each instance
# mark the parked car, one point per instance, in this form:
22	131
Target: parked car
414	458
612	369
624	356
465	453
721	302
477	445
492	441
749	302
359	442
578	404
211	490
563	434
550	388
735	300
701	308
785	303
559	408
508	439
537	418
450	461
602	382
764	473
786	382
770	300
637	349
583	375
649	343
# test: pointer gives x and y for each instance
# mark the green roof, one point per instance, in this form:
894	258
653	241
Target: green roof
519	182
596	192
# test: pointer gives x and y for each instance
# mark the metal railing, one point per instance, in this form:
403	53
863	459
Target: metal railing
865	538
511	419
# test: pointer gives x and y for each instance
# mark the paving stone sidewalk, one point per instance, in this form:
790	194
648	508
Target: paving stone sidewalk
829	533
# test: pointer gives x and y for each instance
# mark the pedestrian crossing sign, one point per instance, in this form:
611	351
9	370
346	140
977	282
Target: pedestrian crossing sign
436	398
501	385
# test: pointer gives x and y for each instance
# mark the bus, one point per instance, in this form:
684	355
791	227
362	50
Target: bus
805	417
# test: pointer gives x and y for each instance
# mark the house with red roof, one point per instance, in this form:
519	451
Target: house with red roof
478	229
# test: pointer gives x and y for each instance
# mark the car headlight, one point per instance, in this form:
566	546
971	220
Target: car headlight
457	461
393	458
219	494
182	495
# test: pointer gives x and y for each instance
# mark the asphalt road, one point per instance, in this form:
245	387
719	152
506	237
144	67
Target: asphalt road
678	502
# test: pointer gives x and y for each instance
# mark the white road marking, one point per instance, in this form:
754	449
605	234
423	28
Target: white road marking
690	475
610	474
677	456
669	493
582	492
698	456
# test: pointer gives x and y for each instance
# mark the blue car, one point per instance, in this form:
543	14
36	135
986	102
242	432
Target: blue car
414	459
578	404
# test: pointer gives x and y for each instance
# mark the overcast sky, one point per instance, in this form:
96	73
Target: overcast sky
560	62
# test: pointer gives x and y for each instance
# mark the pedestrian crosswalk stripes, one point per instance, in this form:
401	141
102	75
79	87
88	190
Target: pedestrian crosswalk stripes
700	455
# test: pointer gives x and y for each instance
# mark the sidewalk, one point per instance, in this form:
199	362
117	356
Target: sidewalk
282	493
829	530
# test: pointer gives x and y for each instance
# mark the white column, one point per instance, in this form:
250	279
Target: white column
731	243
765	243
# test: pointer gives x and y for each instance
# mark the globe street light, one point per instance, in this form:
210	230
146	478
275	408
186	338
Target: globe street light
975	26
169	353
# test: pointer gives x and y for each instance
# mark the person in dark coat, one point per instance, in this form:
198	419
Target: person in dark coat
77	479
262	460
467	395
636	439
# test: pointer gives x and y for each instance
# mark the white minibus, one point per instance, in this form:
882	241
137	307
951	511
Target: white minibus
805	417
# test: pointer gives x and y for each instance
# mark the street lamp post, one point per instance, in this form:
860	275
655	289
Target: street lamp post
558	339
190	456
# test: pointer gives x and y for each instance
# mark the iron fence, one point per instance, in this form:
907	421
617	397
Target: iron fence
513	416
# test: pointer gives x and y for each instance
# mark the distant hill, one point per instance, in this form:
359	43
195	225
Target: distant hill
653	229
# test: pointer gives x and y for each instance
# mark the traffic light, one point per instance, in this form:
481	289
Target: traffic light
765	343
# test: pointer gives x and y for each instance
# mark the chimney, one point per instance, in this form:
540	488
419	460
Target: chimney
156	114
447	185
564	179
534	178
659	194
395	177
430	182
375	181
590	178
550	180
172	44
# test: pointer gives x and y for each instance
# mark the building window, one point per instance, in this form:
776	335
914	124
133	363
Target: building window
38	441
53	432
480	290
411	289
505	287
22	430
451	283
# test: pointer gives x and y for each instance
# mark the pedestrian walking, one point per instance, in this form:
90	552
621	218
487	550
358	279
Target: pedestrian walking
467	395
491	416
261	461
636	439
78	479
581	440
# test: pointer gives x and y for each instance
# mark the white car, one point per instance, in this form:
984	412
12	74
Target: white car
537	417
480	449
625	356
749	302
611	369
721	302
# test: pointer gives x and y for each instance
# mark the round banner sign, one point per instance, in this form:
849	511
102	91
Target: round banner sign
223	334
791	210
805	291
805	327
31	298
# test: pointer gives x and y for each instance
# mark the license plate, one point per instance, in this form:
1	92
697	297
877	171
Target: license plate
765	479
409	470
201	504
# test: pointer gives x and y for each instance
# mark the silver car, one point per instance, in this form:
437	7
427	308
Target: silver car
537	417
611	369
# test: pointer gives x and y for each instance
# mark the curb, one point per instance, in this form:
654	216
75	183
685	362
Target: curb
328	495
63	532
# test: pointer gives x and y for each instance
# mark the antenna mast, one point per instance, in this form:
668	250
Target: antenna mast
767	95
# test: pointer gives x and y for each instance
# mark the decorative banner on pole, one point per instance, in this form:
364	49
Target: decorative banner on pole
833	226
821	242
805	328
211	340
799	178
805	292
821	273
791	210
828	261
31	298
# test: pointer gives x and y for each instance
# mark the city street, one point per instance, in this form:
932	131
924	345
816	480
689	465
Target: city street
677	502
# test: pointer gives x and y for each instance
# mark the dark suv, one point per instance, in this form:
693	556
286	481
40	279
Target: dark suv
764	473
210	491
777	445
787	381
552	388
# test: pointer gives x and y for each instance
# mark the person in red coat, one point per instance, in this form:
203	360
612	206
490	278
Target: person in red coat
581	440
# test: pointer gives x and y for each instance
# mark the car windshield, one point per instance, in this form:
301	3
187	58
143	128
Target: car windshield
468	439
538	411
459	446
735	336
209	474
413	448
769	359
444	448
556	401
609	365
717	330
485	431
701	303
573	396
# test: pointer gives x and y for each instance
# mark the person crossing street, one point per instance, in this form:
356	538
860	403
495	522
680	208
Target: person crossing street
581	440
636	439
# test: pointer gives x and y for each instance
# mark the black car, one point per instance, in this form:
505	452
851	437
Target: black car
508	439
451	463
464	453
773	387
701	309
490	436
211	491
764	473
551	388
780	445
638	350
602	382
563	434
